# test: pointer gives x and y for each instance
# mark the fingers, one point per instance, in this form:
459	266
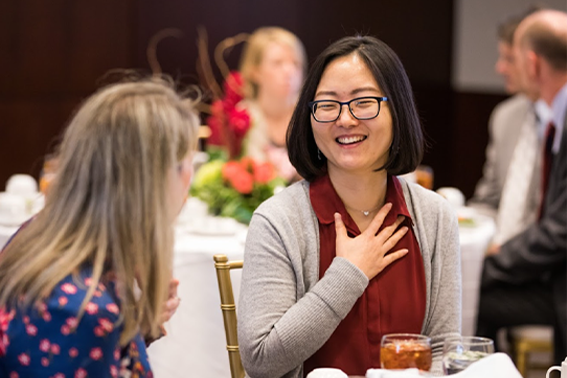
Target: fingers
340	228
173	284
390	258
394	239
379	219
170	307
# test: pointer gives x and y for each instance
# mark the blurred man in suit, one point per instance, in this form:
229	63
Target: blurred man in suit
525	281
508	191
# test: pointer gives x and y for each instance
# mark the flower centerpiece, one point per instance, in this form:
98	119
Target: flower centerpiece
232	185
235	188
229	124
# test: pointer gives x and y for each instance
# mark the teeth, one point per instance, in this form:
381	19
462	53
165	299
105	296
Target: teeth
351	139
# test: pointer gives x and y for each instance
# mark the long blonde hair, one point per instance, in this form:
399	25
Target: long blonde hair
107	208
253	53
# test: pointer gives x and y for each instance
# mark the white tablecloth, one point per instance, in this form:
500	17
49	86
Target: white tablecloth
474	242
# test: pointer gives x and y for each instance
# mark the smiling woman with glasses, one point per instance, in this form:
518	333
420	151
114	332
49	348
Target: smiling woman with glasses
353	252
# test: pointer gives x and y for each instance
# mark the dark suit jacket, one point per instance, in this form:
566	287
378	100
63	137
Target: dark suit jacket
542	248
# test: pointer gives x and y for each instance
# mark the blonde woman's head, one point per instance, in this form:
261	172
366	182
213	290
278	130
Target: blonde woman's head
124	168
274	61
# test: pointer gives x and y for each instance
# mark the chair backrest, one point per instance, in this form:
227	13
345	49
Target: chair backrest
223	267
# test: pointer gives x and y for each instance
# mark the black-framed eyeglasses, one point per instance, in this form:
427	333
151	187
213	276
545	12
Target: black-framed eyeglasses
361	108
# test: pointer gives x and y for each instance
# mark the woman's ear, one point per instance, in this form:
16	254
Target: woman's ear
255	75
533	65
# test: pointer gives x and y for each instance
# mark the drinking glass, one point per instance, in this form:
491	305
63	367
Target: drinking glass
460	352
405	351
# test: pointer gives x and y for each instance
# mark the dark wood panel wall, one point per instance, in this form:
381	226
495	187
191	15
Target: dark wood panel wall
51	56
53	52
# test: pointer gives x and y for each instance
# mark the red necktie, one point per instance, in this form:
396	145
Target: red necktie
547	160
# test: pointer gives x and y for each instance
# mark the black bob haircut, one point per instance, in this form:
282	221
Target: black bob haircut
408	142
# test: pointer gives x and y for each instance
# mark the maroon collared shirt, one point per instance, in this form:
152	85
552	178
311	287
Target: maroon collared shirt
393	302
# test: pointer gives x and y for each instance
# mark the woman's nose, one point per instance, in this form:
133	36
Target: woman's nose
346	119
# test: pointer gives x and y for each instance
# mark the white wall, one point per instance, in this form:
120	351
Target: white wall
475	40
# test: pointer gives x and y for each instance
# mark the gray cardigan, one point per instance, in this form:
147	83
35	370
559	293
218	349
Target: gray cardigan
286	313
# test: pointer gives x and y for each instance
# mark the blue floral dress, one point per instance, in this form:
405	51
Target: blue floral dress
48	340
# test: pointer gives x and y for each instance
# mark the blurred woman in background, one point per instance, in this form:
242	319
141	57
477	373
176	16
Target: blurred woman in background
87	279
273	65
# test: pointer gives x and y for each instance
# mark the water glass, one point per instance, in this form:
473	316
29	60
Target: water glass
405	351
460	352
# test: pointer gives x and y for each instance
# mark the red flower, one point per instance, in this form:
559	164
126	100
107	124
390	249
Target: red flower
73	352
72	322
239	121
238	177
264	173
243	183
116	354
46	316
31	330
42	307
65	329
44	345
63	301
14	375
6	318
228	123
80	373
91	308
96	354
233	85
69	288
24	359
113	371
106	324
113	308
99	331
44	361
55	349
59	375
231	169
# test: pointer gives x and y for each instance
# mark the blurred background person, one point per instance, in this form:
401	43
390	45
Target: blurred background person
85	281
273	64
524	282
509	190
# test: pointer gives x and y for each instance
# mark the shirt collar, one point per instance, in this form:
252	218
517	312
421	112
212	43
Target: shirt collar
326	202
559	108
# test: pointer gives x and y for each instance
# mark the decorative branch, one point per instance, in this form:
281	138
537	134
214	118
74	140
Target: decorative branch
225	46
204	70
151	51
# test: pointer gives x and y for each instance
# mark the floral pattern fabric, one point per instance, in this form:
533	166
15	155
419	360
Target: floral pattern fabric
48	340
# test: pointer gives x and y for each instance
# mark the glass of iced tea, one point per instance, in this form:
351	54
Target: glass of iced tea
405	351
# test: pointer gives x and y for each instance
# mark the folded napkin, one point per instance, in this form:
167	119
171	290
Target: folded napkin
497	365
